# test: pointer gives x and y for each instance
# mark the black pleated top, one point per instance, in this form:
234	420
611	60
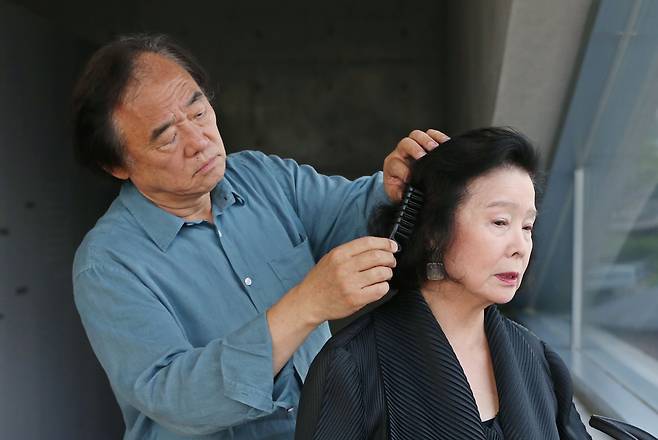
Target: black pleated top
392	374
492	429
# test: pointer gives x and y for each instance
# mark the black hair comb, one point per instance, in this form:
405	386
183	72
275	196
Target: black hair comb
412	202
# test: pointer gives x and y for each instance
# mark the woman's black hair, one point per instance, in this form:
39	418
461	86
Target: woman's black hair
100	88
443	175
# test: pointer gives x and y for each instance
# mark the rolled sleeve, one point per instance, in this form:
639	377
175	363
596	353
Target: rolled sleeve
246	365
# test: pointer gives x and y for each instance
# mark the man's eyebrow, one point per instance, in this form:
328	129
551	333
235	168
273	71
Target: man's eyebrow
161	129
508	204
195	97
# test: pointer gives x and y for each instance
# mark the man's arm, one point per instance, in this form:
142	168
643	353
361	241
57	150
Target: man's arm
343	281
153	367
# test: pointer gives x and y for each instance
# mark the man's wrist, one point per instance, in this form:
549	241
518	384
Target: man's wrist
307	314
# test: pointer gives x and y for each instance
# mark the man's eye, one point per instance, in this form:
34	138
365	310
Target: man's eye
528	228
168	143
200	115
500	222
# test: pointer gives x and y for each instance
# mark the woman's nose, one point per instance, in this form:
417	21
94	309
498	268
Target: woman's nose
520	243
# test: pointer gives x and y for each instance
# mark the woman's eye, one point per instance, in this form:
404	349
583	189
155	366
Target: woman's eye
528	228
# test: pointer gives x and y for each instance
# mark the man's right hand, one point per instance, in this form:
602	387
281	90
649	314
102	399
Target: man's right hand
348	278
344	280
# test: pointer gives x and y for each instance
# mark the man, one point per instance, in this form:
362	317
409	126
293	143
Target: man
197	288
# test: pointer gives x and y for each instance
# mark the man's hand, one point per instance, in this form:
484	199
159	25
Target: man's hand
397	165
348	278
344	280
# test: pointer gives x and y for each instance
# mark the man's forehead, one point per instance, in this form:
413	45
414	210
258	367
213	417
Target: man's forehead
156	80
150	63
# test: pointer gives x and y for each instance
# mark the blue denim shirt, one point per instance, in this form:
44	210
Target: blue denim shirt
175	310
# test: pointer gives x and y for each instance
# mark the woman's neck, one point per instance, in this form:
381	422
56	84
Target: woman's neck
459	313
461	317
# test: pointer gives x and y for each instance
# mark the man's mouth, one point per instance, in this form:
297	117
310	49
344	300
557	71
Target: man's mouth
208	165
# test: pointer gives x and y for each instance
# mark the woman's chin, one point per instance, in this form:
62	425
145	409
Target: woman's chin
503	297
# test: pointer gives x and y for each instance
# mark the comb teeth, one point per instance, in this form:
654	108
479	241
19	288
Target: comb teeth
412	202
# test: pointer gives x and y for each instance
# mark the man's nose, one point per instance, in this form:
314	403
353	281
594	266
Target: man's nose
195	139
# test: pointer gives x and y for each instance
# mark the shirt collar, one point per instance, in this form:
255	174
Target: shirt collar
161	226
224	195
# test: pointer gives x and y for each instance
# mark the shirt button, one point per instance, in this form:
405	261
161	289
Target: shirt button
247	281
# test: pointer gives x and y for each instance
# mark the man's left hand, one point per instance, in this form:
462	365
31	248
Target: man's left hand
397	165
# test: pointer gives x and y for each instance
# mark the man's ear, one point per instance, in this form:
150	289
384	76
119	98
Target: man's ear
119	172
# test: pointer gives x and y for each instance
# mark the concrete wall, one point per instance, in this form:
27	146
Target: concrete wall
475	33
512	63
542	49
332	84
51	386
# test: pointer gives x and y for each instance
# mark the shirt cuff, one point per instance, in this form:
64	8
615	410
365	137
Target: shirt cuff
379	195
246	365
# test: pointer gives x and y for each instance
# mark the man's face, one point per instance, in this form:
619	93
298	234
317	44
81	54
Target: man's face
173	150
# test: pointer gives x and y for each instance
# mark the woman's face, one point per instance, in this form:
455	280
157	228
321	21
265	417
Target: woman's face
493	235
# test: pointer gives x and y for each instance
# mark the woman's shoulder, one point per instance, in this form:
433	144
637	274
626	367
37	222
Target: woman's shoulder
549	357
352	336
516	329
340	364
340	380
350	351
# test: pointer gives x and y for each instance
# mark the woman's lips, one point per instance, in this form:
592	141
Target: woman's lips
508	278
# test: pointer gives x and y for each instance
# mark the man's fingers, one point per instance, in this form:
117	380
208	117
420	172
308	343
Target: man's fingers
373	258
363	244
409	148
375	275
437	135
374	292
427	142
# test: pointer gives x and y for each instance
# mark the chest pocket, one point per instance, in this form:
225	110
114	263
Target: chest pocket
292	267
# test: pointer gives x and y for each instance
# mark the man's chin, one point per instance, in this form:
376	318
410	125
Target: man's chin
211	180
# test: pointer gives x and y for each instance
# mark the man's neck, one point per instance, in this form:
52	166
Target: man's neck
193	209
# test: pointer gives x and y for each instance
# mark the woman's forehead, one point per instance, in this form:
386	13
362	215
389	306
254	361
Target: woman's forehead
508	187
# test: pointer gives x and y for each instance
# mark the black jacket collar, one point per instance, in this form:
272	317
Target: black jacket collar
427	393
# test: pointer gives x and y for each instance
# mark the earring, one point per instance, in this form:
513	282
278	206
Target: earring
435	271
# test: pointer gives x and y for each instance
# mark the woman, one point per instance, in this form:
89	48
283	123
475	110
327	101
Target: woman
438	361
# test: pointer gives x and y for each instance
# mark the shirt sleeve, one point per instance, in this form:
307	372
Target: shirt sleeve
569	423
331	404
153	367
333	209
